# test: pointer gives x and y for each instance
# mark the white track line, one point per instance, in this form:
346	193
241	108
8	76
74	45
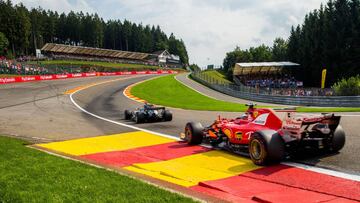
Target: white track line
324	171
302	166
196	90
350	115
115	122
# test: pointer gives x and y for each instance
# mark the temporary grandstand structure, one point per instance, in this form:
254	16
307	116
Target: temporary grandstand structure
62	49
245	71
242	69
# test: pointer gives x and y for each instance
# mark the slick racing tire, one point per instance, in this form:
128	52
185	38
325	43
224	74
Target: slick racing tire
167	115
337	141
266	147
127	115
139	117
194	133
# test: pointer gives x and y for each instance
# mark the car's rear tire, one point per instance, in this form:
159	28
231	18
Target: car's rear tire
194	133
266	147
139	117
337	141
167	115
127	115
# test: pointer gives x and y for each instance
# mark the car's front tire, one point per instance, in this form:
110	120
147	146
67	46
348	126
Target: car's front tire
194	133
266	147
127	115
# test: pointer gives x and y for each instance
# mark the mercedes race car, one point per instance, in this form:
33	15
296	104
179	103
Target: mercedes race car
148	113
266	137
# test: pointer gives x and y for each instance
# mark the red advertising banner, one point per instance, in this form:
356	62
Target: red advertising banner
77	75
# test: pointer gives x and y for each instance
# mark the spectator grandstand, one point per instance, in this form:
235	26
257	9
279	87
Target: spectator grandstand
274	78
61	51
266	74
281	84
91	52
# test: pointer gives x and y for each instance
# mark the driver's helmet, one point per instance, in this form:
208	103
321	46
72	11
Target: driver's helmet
148	105
245	116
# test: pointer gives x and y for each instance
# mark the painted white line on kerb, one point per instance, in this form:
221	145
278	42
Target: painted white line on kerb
302	166
324	171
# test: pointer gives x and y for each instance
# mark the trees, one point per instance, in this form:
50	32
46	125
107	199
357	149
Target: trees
22	25
178	47
4	43
328	38
279	50
261	53
27	30
348	87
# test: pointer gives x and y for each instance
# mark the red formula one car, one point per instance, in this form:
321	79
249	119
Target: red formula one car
266	137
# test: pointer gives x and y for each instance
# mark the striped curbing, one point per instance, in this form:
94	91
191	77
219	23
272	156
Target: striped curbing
206	170
127	93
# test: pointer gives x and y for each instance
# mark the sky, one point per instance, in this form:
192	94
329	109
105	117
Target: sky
209	28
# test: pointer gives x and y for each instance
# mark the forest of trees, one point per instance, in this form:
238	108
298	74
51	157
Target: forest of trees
328	38
26	30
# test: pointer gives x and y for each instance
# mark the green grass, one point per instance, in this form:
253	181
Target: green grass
94	63
219	76
10	75
169	92
328	109
29	175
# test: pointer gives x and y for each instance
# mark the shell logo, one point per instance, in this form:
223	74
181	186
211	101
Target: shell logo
239	135
256	113
228	133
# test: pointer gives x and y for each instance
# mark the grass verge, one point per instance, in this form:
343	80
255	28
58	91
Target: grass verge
29	175
94	63
169	92
216	75
11	75
327	109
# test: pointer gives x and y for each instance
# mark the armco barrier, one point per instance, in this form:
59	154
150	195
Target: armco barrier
321	101
77	75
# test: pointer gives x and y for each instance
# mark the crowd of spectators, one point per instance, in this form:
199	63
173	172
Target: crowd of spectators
282	85
303	92
273	82
14	67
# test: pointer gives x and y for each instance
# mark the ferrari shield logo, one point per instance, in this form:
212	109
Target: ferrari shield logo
239	135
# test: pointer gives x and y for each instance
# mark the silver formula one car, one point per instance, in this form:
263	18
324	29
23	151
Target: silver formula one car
148	113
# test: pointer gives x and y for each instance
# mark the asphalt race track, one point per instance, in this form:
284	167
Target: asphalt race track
39	111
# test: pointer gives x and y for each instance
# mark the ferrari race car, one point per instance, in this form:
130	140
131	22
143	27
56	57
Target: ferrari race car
148	113
266	137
